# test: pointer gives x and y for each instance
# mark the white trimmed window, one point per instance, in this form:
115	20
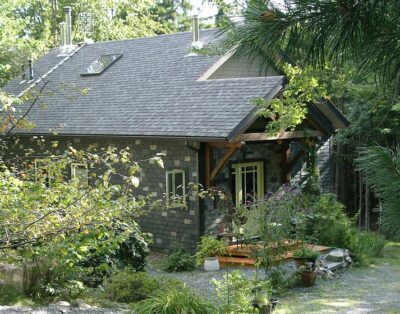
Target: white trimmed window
80	174
248	182
175	188
42	171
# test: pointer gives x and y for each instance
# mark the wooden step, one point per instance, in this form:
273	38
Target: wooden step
249	261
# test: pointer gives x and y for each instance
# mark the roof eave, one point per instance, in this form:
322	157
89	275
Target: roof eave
252	115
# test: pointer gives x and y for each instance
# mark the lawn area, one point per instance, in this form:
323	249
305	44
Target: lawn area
373	289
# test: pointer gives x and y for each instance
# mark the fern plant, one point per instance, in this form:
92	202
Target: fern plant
382	168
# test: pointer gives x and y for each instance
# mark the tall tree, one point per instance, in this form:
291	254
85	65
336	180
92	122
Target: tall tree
316	32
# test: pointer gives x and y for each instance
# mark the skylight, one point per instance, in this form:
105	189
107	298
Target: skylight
101	64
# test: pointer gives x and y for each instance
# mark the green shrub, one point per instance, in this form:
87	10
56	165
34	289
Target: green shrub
179	261
174	301
44	279
364	246
306	254
102	260
236	293
10	293
128	286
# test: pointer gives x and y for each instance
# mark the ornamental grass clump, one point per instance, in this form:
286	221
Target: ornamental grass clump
175	301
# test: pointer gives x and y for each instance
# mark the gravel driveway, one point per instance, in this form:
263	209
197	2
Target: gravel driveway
374	289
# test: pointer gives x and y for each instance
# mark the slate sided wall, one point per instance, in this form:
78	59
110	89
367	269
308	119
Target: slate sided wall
180	224
168	226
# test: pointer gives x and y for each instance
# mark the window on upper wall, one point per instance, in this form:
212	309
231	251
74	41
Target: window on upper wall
80	174
176	189
43	171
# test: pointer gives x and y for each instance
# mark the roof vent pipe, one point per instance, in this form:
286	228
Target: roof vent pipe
30	70
196	43
63	35
68	26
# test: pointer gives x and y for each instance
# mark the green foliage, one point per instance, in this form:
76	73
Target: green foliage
382	168
319	32
236	293
306	254
281	280
287	112
179	260
129	286
326	223
69	232
174	301
209	246
100	262
45	279
365	245
10	293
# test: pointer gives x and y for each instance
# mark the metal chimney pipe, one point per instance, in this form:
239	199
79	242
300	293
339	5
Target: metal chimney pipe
63	35
195	29
68	25
30	70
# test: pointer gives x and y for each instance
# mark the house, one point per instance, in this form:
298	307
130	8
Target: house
155	95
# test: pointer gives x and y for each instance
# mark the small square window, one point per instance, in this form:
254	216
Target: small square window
79	174
175	188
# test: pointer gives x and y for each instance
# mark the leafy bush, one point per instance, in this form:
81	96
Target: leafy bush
306	254
326	222
174	301
236	293
100	260
281	280
45	279
365	245
209	246
178	261
129	286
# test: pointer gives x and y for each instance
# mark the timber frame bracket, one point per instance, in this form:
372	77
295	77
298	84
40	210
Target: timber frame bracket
212	172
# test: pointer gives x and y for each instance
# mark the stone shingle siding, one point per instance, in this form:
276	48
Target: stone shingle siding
269	153
324	162
167	226
183	224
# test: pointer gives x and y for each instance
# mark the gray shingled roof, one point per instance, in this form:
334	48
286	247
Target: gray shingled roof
151	91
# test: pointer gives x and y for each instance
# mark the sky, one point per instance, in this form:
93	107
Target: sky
204	8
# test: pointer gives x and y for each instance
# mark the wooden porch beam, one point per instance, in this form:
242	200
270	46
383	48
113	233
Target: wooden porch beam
253	137
285	153
225	144
207	164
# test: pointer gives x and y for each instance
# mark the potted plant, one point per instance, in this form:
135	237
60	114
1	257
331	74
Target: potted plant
304	256
208	251
308	274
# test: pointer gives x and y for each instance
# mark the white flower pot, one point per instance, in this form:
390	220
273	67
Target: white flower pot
211	263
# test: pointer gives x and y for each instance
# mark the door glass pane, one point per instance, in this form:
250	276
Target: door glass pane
179	184
250	188
170	185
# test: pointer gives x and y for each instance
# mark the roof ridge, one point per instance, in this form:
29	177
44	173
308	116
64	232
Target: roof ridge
150	37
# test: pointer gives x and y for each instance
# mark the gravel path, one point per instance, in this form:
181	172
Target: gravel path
374	289
55	309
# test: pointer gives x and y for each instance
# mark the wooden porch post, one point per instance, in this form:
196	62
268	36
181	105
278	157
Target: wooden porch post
285	154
